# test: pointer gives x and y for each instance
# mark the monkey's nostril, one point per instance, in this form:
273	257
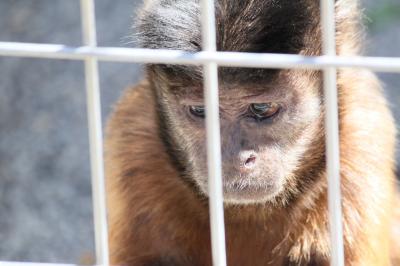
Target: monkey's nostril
250	161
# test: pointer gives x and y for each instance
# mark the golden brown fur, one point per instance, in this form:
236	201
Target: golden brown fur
156	218
157	214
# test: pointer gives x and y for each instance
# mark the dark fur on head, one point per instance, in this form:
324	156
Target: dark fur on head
243	26
256	26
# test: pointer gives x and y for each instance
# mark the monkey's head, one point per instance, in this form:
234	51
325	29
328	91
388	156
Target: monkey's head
271	120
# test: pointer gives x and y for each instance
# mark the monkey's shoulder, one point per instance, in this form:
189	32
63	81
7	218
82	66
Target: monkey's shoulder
132	143
136	103
366	123
133	117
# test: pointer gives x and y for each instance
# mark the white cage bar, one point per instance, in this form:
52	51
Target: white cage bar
228	59
211	93
7	263
95	134
332	134
210	59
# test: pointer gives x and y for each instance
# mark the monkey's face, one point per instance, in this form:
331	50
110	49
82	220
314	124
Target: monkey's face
265	131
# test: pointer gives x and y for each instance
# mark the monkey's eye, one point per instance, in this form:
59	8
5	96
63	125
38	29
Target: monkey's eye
263	111
198	111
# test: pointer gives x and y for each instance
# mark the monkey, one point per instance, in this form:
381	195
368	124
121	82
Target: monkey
272	144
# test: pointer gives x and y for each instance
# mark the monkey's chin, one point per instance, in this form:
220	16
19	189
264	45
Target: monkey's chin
248	191
245	191
250	194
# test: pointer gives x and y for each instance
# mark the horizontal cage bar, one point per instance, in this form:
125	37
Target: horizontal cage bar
228	59
10	263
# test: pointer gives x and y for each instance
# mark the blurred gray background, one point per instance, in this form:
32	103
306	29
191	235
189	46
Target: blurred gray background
45	191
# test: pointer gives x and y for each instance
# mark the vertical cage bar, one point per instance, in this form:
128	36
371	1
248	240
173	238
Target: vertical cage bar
95	135
213	137
332	134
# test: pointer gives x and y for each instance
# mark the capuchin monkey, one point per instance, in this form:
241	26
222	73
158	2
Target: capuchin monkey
273	145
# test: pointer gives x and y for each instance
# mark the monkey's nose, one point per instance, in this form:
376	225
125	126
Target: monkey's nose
248	161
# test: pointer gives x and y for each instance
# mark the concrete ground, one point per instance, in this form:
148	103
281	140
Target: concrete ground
45	192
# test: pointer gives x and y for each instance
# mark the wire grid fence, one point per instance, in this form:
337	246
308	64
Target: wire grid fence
210	59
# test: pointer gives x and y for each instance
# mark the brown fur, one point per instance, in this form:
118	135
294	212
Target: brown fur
158	215
155	217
